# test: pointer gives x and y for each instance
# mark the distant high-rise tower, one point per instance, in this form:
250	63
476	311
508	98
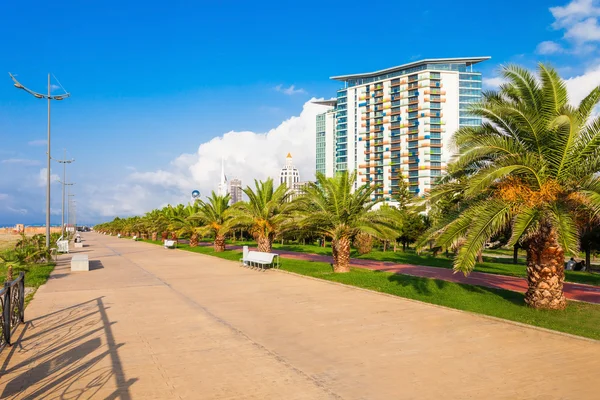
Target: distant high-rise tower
289	174
235	189
223	189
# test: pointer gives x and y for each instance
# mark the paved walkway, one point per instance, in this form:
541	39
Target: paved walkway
151	323
573	291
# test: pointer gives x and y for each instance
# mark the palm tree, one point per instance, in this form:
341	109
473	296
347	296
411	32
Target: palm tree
330	208
184	225
213	216
530	167
172	214
264	214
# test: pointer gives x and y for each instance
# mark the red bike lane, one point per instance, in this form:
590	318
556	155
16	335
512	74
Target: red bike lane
573	291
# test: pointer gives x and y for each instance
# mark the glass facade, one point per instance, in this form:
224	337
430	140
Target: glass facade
469	90
321	144
341	131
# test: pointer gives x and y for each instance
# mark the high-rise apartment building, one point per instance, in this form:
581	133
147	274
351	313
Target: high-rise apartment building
235	190
398	123
326	138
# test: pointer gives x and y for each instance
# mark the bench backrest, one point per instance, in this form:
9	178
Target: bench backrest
169	243
259	256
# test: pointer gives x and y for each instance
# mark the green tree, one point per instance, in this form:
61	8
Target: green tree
214	218
330	208
264	214
411	228
184	223
531	166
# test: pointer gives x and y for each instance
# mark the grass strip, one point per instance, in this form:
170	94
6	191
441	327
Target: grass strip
490	265
580	319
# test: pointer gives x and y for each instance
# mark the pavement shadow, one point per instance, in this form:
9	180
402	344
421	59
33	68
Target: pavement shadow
68	354
96	264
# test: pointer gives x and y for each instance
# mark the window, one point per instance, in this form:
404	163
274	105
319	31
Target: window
469	77
470	84
469	91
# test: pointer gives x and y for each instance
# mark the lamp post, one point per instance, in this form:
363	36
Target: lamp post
48	97
64	183
69	202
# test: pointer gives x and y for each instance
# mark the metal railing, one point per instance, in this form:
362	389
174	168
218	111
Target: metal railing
12	308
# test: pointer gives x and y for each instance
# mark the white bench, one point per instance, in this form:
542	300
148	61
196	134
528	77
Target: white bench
169	244
63	246
80	262
260	260
119	236
134	238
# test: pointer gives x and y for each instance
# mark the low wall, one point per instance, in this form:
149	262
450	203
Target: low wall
30	230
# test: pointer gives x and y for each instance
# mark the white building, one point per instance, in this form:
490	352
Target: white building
289	174
398	123
223	189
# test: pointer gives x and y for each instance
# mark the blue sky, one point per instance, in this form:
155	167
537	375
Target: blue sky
151	81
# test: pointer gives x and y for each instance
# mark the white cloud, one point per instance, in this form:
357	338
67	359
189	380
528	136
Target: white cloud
493	83
21	211
587	30
54	87
290	90
41	142
42	177
573	12
21	161
580	86
3	196
247	155
579	20
549	47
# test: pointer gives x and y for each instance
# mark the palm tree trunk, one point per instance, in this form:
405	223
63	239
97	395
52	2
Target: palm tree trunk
516	254
342	255
164	235
545	270
588	258
194	240
154	236
219	244
480	256
264	244
173	236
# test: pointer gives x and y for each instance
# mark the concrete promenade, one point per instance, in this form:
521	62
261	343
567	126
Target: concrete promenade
151	323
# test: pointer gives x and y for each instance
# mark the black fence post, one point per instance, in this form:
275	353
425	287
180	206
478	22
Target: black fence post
22	292
7	309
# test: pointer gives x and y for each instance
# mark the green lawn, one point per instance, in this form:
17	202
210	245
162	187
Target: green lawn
579	318
491	265
35	274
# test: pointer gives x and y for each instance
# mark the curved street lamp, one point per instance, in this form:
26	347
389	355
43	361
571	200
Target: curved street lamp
64	183
49	97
